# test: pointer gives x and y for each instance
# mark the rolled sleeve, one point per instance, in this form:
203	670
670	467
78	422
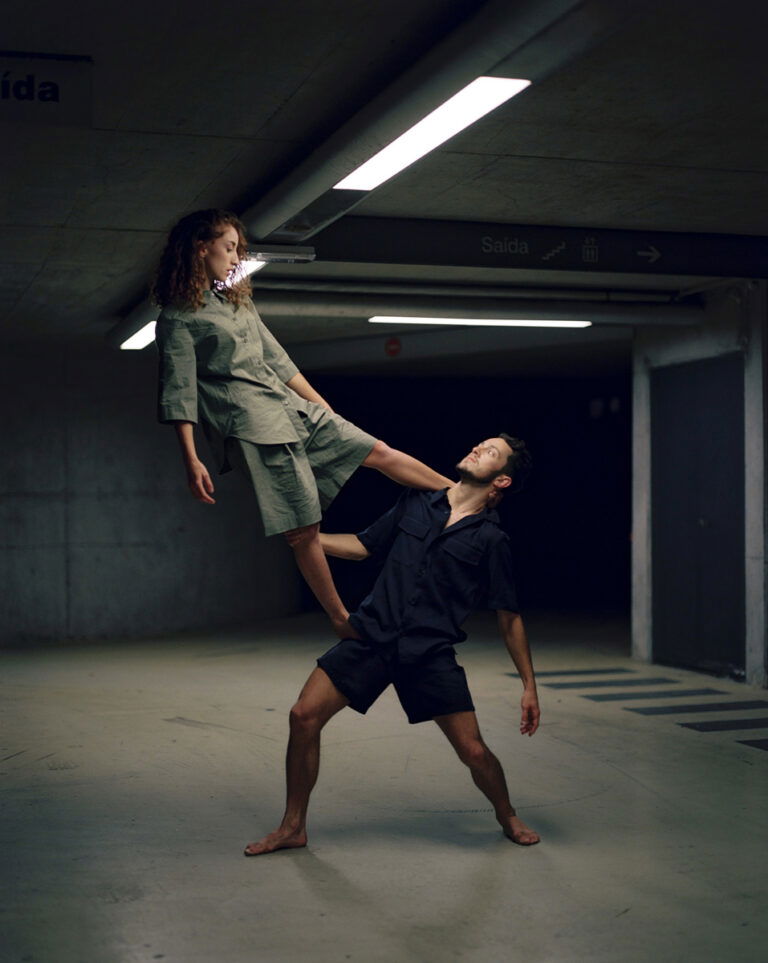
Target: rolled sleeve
501	593
379	535
177	383
275	355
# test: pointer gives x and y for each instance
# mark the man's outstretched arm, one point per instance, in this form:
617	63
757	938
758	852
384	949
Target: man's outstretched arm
516	641
344	546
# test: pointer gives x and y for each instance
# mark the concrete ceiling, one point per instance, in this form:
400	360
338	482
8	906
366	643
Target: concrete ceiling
660	124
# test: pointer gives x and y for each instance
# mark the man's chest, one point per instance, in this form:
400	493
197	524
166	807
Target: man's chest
429	543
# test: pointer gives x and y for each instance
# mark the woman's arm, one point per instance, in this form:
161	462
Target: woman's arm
285	369
177	398
198	479
304	389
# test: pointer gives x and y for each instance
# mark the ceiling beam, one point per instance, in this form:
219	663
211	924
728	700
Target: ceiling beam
535	38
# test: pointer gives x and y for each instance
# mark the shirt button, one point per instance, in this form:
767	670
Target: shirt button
412	601
420	571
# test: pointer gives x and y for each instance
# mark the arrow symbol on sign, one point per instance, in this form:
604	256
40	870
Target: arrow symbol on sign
653	254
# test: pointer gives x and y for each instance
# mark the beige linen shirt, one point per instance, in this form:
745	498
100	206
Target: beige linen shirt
222	362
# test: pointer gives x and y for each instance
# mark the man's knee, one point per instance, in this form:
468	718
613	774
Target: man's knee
473	753
304	717
300	536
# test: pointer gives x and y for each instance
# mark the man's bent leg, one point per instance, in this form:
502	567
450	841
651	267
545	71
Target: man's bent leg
318	702
463	733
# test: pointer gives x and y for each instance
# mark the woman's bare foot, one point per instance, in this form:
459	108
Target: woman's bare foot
279	839
516	830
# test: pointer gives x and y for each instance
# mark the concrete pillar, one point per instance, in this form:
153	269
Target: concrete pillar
642	628
736	320
755	319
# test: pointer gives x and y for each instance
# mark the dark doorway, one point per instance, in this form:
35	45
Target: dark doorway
697	480
570	527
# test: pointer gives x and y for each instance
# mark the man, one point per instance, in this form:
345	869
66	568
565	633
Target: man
445	555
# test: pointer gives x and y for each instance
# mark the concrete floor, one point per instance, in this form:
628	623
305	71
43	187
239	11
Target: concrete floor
134	773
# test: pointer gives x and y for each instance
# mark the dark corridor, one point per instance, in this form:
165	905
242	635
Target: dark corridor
571	525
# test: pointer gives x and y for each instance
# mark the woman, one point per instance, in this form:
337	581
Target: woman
259	413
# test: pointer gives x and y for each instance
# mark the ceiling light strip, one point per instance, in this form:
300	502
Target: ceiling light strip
471	103
482	322
140	339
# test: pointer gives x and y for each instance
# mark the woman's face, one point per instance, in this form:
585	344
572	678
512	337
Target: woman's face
220	255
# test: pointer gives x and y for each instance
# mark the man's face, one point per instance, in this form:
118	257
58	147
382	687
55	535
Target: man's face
220	255
485	461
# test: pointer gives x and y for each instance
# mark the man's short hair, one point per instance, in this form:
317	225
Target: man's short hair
519	464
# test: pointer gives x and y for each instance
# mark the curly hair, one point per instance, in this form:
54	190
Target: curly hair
180	275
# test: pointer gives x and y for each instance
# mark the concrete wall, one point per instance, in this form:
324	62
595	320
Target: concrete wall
99	537
736	318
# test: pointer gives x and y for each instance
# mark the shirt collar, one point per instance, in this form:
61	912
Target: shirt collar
435	497
216	295
487	514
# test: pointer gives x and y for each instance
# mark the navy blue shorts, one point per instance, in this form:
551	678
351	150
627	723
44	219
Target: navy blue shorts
361	671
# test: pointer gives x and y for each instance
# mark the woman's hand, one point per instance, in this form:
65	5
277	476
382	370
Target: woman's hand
199	481
304	389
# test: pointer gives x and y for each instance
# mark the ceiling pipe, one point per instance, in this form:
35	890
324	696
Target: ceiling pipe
314	305
265	286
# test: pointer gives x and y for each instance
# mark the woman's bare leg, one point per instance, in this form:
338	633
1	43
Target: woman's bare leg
318	702
305	541
405	469
313	565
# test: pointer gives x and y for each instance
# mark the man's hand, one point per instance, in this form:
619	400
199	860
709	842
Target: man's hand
529	721
199	481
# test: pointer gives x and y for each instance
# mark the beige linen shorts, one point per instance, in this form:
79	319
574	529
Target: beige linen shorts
296	481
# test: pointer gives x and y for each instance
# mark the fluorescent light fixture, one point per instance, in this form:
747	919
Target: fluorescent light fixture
141	339
470	104
243	270
282	253
480	322
270	254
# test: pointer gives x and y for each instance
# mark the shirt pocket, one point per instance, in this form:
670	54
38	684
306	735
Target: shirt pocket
459	571
464	552
409	544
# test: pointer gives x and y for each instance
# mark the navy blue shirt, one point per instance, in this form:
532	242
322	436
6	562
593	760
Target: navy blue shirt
433	576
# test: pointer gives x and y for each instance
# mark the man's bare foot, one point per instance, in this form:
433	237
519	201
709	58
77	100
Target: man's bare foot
279	839
516	830
343	629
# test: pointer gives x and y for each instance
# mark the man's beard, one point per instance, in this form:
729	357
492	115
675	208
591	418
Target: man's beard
472	478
